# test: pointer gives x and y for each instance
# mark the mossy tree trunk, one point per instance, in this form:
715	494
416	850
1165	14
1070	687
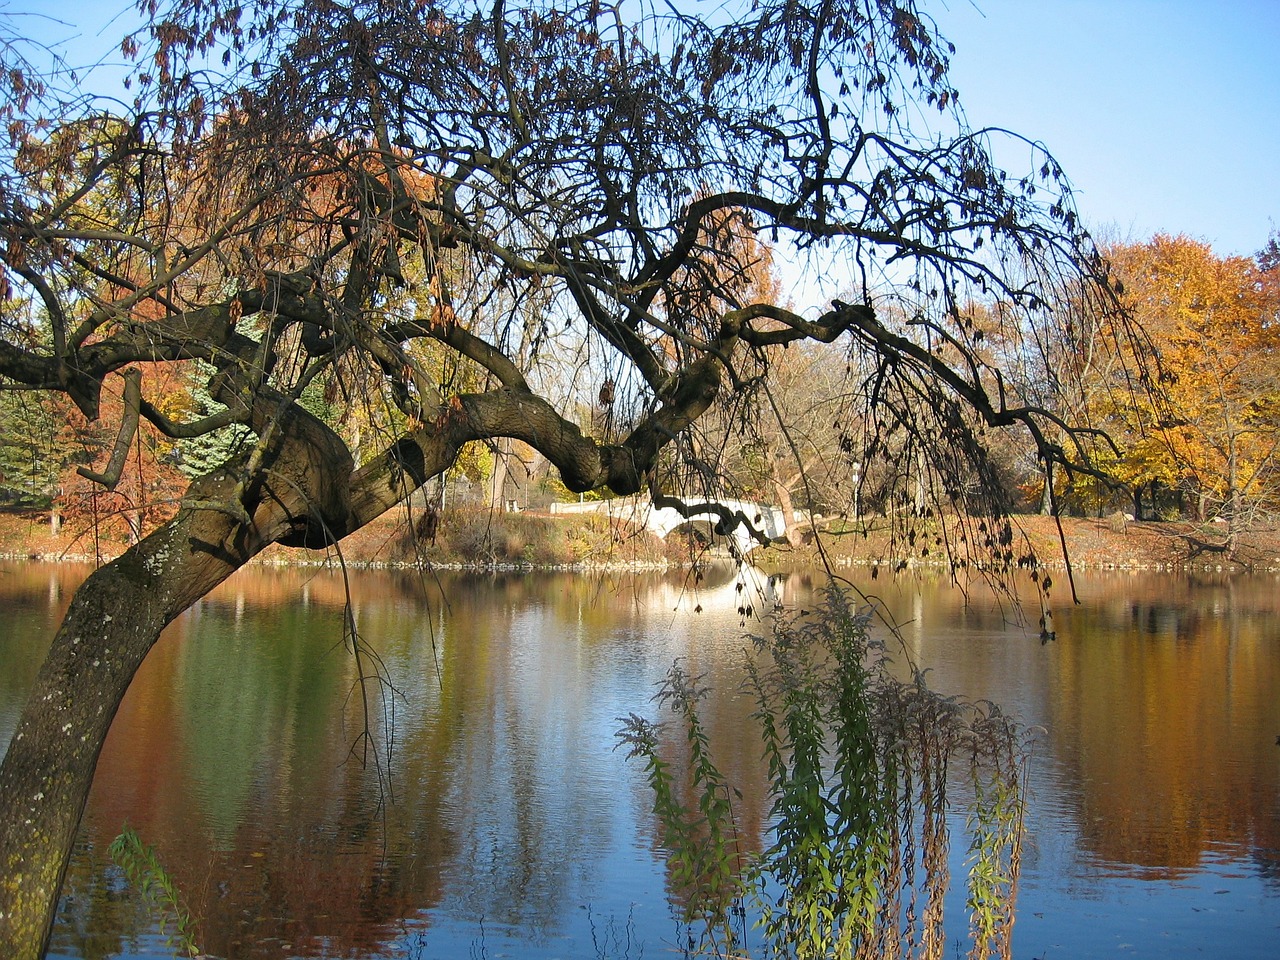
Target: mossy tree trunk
114	620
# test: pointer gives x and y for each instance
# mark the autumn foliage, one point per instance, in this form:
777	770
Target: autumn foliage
1201	438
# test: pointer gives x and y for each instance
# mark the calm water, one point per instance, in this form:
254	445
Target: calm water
494	817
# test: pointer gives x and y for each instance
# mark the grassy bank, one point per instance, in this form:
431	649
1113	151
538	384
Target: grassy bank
483	538
1090	544
471	537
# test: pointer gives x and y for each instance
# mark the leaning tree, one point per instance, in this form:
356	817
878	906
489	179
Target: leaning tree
543	181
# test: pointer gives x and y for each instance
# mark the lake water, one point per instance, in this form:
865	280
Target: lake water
494	817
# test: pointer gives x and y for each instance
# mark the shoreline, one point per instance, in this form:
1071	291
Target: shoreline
529	542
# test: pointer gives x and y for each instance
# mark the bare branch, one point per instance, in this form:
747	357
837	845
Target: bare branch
128	428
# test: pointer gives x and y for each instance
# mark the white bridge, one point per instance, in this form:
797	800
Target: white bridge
754	521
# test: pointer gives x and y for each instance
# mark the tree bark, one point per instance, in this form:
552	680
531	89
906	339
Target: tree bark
783	494
498	479
1233	497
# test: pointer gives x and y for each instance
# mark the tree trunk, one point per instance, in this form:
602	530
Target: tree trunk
793	534
920	485
1233	498
498	478
114	620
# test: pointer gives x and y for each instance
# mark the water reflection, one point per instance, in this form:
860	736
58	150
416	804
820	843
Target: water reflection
491	807
1159	699
1182	690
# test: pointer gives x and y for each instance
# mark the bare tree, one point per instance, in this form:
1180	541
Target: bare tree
259	205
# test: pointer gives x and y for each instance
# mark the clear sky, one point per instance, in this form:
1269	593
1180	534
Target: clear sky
1165	114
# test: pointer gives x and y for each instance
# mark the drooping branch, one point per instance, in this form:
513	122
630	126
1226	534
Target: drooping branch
124	439
994	413
794	327
451	333
617	333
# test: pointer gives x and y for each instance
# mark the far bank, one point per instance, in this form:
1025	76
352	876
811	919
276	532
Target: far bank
485	538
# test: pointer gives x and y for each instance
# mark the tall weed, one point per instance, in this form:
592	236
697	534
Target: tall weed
858	763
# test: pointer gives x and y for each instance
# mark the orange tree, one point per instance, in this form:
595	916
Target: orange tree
1210	429
268	200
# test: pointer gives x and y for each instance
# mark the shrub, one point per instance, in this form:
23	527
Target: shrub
485	536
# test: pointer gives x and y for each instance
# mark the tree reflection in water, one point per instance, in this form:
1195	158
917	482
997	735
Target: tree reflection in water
1154	787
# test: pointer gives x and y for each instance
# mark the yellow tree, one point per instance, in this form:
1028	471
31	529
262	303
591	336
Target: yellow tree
1213	320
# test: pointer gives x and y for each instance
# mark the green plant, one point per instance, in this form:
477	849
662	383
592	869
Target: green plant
143	870
858	764
706	861
995	825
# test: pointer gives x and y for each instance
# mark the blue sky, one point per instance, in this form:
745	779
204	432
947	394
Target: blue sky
1165	114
